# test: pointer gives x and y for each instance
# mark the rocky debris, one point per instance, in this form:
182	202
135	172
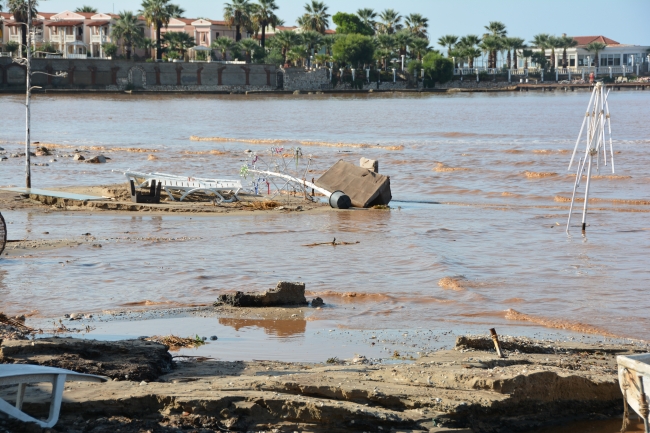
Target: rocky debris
42	151
440	391
3	158
129	359
99	159
528	345
79	157
285	293
317	302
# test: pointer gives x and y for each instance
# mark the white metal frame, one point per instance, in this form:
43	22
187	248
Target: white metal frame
187	185
599	128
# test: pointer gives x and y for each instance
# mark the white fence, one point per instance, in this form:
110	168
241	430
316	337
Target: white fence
520	72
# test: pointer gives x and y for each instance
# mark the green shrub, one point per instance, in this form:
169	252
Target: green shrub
110	49
12	46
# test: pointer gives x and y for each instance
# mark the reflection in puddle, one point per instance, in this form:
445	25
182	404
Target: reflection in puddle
279	328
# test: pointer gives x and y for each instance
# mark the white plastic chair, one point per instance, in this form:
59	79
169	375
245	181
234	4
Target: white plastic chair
21	375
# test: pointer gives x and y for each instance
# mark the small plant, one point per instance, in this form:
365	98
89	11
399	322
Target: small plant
333	360
12	46
110	49
173	55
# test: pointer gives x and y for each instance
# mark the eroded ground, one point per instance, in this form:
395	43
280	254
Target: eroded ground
467	388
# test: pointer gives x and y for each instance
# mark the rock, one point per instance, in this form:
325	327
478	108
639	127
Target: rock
129	359
317	302
15	155
52	160
75	316
285	293
99	159
79	157
370	164
1	149
214	338
4	158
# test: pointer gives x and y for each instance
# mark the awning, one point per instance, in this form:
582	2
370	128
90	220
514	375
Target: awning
97	23
64	23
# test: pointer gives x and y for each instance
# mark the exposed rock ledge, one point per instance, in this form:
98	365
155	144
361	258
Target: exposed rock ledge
466	389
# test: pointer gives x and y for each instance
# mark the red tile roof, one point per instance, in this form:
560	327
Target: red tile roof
64	23
330	32
586	40
98	23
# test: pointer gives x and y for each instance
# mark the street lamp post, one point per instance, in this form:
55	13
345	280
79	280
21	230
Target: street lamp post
28	69
403	62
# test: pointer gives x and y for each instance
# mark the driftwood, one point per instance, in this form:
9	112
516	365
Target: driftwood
333	243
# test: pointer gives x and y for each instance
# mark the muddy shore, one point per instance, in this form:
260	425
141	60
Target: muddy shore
467	389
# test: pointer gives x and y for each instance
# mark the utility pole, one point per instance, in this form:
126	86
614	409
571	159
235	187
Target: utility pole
28	172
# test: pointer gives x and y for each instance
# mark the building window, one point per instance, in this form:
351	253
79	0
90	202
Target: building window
610	60
216	35
572	60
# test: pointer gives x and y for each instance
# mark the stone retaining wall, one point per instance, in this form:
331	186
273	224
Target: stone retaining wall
118	74
299	79
472	84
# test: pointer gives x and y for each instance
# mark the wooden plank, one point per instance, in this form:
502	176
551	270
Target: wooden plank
57	194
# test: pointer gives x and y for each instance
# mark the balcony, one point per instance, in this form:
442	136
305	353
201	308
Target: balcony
98	39
56	39
70	38
15	38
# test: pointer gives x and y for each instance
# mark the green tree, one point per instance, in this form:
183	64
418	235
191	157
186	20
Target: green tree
386	44
285	40
402	40
390	22
467	46
148	44
179	42
86	9
448	41
367	17
417	25
176	11
354	49
539	57
595	47
350	23
248	47
419	47
566	42
498	31
328	42
316	17
437	69
110	49
514	44
490	45
264	16
554	43
312	41
527	54
157	13
223	44
238	14
12	47
128	30
19	9
542	42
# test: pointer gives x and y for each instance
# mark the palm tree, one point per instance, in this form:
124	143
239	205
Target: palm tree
386	45
390	21
19	9
565	43
541	41
498	30
448	41
148	44
311	40
419	47
285	40
223	44
86	9
417	25
489	45
328	42
238	14
128	30
157	13
595	47
248	46
176	11
402	39
264	15
554	42
515	44
512	44
527	54
316	17
367	16
182	42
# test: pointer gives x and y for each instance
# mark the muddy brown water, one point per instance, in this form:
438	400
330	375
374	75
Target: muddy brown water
477	225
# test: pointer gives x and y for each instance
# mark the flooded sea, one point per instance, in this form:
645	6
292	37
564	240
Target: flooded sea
475	238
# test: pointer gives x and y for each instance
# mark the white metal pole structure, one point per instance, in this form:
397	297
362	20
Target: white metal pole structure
599	129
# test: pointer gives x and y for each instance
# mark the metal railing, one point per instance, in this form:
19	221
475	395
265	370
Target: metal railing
76	56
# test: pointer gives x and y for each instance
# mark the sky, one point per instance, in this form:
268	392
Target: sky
625	21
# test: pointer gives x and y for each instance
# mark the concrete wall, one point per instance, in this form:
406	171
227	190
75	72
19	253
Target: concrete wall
117	74
299	79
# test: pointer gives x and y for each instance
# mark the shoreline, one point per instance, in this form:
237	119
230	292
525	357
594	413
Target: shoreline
513	87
